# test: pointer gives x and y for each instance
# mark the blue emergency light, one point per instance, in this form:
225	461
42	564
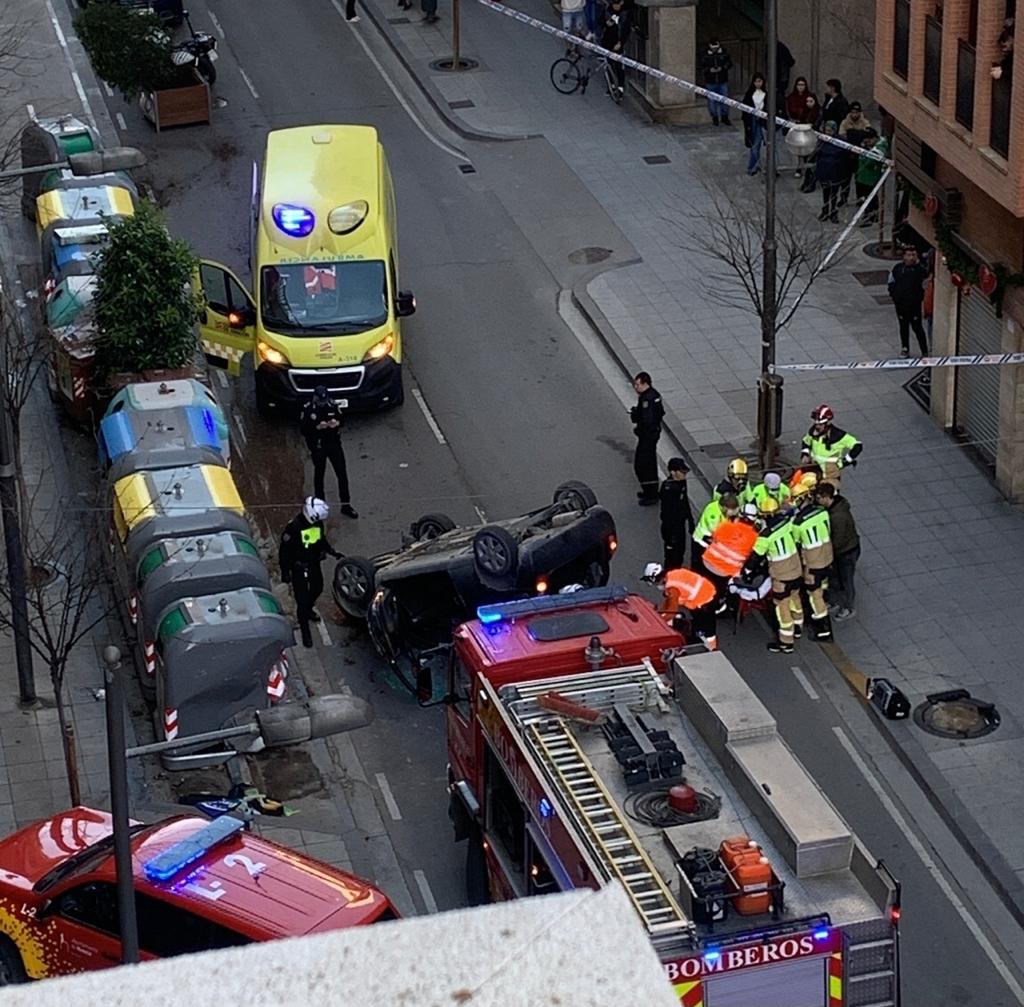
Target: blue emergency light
295	221
545	808
165	865
821	935
490	615
712	956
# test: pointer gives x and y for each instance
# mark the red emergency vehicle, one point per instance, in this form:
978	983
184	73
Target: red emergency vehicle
198	884
570	721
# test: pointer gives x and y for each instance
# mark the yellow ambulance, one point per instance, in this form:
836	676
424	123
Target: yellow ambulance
325	307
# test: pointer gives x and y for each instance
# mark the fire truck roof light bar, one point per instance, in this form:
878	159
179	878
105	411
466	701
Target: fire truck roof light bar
491	614
165	865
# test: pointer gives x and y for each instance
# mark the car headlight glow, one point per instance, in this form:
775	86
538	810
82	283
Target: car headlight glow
382	349
267	354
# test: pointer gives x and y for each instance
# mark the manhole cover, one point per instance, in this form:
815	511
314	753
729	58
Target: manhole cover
588	256
448	63
956	714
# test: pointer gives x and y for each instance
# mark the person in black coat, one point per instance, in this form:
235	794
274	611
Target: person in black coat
320	424
647	416
304	544
834	107
830	170
753	125
676	516
906	288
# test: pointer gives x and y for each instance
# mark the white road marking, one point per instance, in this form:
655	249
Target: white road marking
222	378
31	111
931	866
805	683
389	798
122	125
63	42
428	896
216	24
241	429
108	89
480	513
396	91
325	636
249	84
428	415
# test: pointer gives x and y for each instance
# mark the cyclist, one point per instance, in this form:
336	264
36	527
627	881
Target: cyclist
617	24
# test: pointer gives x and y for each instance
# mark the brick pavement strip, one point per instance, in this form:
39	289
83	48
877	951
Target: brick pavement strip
934	529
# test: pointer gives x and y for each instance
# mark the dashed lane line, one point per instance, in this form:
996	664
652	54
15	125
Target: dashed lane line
805	683
249	84
428	415
241	429
325	636
389	798
216	25
121	124
63	42
429	902
480	513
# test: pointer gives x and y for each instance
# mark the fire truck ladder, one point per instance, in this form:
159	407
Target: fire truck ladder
615	844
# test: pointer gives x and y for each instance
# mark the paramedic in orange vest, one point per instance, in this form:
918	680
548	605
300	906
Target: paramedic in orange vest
730	547
688	590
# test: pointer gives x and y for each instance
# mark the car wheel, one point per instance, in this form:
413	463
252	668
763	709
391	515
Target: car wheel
496	554
576	496
353	585
430	526
12	969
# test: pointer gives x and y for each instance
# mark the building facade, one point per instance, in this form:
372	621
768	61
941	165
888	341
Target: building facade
944	70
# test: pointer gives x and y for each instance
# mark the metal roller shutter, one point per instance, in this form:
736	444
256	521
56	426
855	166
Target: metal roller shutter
801	983
977	388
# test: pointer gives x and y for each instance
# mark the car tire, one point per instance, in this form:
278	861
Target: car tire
12	968
496	557
430	526
576	495
353	585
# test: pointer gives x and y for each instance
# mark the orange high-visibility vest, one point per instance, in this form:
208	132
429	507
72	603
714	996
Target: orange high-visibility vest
732	542
686	589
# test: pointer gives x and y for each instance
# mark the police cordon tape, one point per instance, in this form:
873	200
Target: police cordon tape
684	85
909	363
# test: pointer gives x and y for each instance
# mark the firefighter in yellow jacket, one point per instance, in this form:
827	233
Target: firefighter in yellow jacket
812	531
776	544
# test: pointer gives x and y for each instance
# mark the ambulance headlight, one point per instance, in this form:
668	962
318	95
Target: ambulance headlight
345	219
380	350
266	354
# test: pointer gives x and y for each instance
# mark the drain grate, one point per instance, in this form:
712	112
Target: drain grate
589	255
399	20
657	159
872	277
956	714
461	103
467	169
919	388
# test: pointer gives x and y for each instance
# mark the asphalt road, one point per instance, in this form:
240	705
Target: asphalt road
516	405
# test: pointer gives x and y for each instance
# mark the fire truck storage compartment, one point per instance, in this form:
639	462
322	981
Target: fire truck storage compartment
789	805
800	983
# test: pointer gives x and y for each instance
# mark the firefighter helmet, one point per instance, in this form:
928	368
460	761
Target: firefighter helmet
768	506
802	489
809	479
823	414
738	467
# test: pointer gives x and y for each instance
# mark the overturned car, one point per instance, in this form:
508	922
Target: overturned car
412	597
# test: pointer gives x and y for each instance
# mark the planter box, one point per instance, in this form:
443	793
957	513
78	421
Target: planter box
185	105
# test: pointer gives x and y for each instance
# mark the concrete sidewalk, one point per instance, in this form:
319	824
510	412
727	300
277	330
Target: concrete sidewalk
938	602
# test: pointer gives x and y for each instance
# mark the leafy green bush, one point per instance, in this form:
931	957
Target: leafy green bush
129	49
144	303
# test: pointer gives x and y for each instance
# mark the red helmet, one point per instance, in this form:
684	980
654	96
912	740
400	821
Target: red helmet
823	414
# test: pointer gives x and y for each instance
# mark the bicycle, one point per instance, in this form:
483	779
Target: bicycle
572	73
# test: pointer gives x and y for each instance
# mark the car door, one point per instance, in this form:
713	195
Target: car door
227	321
87	928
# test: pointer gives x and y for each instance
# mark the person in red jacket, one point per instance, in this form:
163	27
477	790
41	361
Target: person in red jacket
802	107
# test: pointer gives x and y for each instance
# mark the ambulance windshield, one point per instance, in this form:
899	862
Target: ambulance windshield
319	297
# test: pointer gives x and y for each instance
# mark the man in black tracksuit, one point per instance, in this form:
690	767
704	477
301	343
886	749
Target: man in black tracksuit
906	288
646	415
303	547
676	516
320	423
617	24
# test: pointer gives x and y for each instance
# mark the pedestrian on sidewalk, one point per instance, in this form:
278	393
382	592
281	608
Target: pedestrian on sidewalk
716	63
827	446
845	550
676	516
834	106
906	288
617	25
852	129
753	125
869	171
320	424
429	8
303	547
647	416
350	12
573	20
830	169
801	107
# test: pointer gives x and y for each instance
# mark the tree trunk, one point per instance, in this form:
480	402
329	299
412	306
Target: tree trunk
67	737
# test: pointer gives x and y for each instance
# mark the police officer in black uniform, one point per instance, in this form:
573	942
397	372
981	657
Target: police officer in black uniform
320	423
676	516
303	547
646	415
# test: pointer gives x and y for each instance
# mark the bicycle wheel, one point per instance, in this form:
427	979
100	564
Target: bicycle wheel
612	82
565	75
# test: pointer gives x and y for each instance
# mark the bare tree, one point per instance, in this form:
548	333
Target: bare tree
22	357
68	597
730	231
21	57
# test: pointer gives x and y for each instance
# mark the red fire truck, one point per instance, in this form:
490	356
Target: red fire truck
588	744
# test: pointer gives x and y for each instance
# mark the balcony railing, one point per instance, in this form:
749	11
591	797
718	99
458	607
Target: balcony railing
901	39
932	58
965	60
999	131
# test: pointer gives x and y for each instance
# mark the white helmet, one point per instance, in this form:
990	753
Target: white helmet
652	572
315	509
